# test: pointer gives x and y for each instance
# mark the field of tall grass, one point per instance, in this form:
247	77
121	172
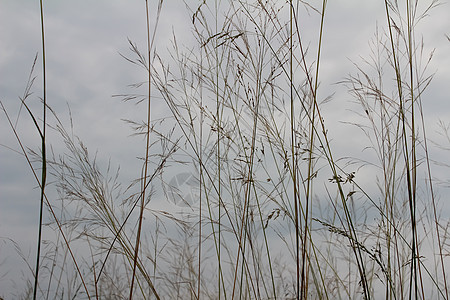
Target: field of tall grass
246	188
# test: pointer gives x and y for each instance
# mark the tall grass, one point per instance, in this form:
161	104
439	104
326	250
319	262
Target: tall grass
271	211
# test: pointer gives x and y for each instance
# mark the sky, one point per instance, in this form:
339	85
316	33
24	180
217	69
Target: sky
85	68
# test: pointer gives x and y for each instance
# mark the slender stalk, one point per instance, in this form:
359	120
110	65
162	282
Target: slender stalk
296	198
43	153
144	177
218	156
433	201
201	179
304	276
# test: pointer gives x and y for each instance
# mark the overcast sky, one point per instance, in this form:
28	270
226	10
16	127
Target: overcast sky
84	69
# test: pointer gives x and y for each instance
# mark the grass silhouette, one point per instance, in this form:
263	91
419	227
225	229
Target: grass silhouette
277	214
